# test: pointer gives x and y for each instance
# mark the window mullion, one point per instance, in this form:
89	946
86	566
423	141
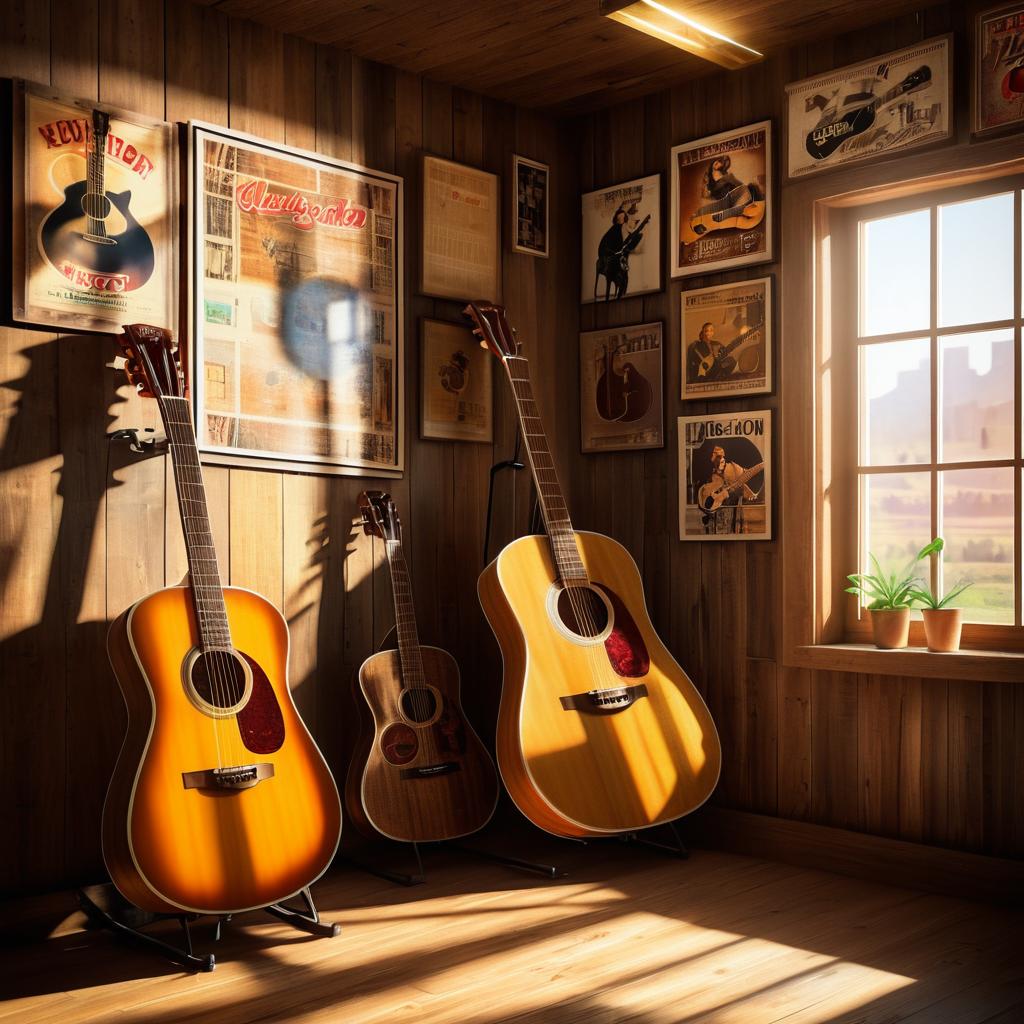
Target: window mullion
936	407
1018	412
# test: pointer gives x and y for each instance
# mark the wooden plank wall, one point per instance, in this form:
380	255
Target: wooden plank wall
933	761
86	528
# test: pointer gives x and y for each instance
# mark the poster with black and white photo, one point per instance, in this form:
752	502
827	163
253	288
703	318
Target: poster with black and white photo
725	476
530	207
622	240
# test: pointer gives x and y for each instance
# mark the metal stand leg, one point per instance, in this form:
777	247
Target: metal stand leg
307	920
418	877
104	906
677	848
547	870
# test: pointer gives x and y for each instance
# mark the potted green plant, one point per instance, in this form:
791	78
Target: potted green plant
942	623
888	598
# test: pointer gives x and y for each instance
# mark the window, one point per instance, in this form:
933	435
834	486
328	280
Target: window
927	309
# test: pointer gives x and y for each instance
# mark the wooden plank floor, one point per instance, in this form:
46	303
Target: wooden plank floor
629	935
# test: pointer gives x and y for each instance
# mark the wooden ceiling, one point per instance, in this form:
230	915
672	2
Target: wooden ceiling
556	54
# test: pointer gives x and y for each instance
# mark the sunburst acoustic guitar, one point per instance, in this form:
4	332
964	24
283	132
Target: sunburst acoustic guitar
220	800
599	729
421	773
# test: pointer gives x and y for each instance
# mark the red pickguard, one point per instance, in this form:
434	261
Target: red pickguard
260	721
625	646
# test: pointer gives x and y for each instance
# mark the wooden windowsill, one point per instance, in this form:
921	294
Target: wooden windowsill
985	666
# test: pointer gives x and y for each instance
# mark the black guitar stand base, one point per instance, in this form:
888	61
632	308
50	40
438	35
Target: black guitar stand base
675	848
105	907
409	879
516	863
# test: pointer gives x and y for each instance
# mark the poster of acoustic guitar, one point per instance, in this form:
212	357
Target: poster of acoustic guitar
998	97
899	101
99	232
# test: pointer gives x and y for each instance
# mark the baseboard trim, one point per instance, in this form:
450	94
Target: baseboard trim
893	861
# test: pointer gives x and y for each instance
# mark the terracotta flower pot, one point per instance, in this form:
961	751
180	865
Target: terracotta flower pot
942	628
891	627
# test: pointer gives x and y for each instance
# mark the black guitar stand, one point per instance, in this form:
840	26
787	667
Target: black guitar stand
105	907
409	879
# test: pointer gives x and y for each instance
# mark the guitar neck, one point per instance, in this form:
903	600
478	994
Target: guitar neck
204	572
409	652
96	184
740	339
742	479
549	492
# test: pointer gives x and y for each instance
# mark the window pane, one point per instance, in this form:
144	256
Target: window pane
895	276
977	525
976	261
897	519
977	396
895	412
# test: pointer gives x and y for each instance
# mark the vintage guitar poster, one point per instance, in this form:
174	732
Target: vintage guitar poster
621	371
727	340
725	475
622	240
98	216
456	402
885	105
998	99
296	312
722	205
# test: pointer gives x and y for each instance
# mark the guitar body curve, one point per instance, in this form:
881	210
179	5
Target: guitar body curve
173	848
575	773
419	782
697	227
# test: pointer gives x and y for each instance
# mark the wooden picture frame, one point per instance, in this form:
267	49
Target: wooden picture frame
73	271
456	384
622	388
632	245
725	456
461	214
722	211
997	84
531	200
296	307
727	344
831	121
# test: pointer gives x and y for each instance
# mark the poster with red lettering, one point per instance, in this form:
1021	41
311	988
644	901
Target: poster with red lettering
94	232
296	313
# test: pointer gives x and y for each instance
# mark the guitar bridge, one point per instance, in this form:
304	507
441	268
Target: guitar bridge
242	776
604	702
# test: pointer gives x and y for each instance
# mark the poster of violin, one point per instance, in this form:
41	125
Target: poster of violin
95	201
882	106
622	240
998	98
727	340
721	211
621	373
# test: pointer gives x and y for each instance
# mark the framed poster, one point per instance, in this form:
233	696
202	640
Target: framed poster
997	100
530	206
296	307
95	215
621	388
727	340
461	252
622	240
725	475
456	402
722	205
882	106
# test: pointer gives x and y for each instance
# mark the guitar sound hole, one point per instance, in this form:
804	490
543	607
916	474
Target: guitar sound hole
582	611
218	678
96	205
418	704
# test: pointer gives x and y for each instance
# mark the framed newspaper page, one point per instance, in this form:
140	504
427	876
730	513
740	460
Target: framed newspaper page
95	215
460	254
621	388
622	240
296	311
880	107
456	389
727	340
997	98
722	208
725	476
530	206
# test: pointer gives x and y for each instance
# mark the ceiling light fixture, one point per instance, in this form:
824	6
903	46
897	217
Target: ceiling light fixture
671	26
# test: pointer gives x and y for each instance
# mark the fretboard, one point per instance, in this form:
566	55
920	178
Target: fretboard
405	616
204	573
549	492
96	186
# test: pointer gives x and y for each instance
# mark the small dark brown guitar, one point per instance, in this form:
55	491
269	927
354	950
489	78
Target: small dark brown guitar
422	775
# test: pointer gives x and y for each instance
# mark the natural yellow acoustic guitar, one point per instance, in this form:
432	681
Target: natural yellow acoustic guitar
220	800
599	729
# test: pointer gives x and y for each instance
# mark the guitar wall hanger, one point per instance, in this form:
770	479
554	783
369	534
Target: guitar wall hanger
155	445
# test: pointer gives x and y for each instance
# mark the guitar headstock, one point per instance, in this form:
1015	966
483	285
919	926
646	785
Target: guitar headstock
100	123
493	329
152	365
380	517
